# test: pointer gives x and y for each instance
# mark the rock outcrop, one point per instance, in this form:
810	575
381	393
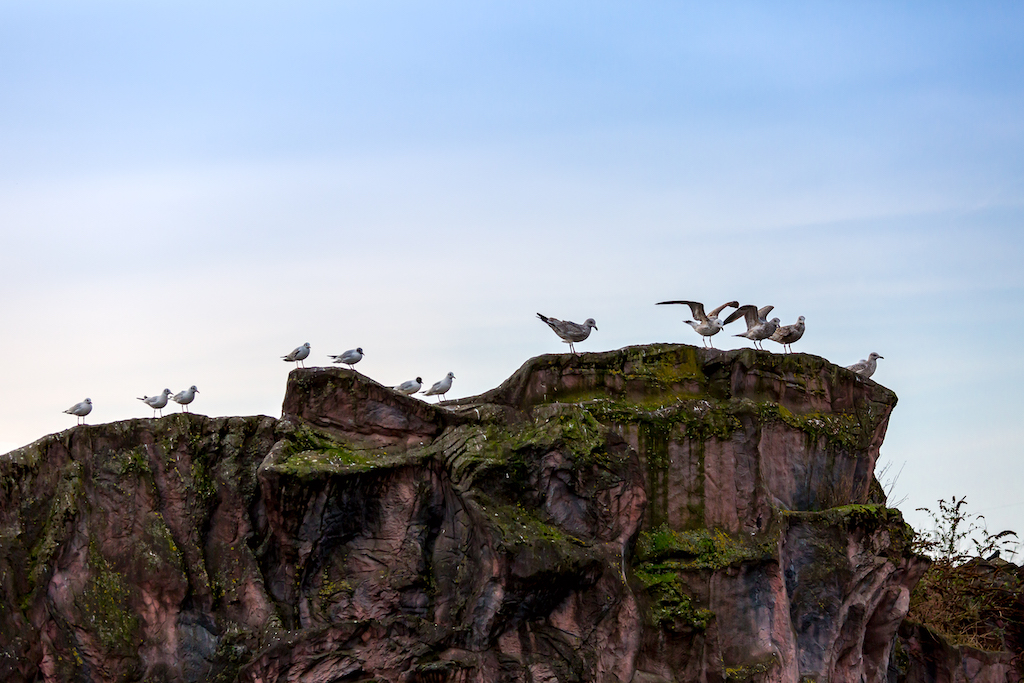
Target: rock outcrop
653	514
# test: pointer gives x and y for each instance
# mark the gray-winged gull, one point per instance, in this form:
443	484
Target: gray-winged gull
350	357
183	398
410	387
787	334
866	368
707	325
80	410
569	331
297	355
758	327
441	387
157	402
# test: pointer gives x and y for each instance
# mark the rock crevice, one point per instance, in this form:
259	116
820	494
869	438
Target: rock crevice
657	513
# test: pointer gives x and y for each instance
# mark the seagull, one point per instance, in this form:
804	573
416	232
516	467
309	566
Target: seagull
706	325
298	354
157	402
757	327
441	387
183	398
80	410
866	368
409	388
787	334
569	331
350	357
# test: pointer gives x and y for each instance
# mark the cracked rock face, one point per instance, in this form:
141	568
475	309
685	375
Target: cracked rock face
658	513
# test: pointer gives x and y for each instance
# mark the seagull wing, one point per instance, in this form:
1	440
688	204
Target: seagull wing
696	307
748	312
762	313
718	310
782	334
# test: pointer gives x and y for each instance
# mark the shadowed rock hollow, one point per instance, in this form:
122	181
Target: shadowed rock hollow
653	514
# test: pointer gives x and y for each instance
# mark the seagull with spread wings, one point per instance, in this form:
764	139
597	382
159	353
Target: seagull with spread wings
706	325
758	327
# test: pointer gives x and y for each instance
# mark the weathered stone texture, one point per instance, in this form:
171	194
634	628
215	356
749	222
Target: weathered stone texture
658	513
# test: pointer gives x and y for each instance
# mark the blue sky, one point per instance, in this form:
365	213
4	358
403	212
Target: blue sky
187	193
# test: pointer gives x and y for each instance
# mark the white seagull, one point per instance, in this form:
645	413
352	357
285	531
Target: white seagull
866	368
569	331
409	388
441	387
757	327
350	357
157	402
297	354
80	410
183	398
787	334
707	325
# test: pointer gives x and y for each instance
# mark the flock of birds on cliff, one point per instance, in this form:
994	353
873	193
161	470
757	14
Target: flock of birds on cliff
706	325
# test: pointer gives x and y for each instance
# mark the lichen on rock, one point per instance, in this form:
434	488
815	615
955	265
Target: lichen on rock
657	513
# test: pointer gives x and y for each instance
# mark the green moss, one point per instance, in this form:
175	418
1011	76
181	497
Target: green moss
670	606
309	454
329	588
665	549
133	462
565	427
654	370
747	671
839	430
160	548
867	519
702	419
506	453
518	527
104	605
333	460
202	483
663	555
63	508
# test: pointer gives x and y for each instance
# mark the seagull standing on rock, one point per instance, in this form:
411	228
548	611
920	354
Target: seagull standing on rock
411	387
866	368
297	355
183	398
706	325
157	402
441	387
80	410
350	357
787	334
569	331
758	327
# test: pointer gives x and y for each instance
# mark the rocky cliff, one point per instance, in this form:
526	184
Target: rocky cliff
653	514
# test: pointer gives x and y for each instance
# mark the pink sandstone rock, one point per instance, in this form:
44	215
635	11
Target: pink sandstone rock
654	514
